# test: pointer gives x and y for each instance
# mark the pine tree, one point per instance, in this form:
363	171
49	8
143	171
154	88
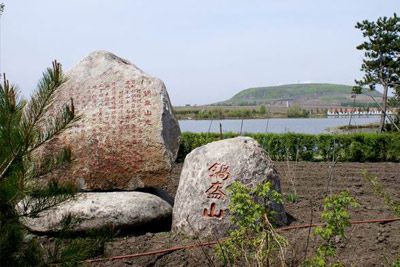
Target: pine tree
381	63
24	127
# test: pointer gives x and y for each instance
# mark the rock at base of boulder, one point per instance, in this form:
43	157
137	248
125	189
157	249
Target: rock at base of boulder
202	199
87	211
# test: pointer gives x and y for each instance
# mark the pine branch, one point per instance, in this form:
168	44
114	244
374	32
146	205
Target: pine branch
7	167
41	100
49	163
31	206
10	114
25	126
8	96
54	126
39	198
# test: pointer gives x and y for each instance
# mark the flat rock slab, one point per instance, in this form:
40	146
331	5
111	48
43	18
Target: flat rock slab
127	137
127	210
201	202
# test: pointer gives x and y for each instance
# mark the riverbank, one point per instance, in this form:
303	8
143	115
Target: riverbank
363	128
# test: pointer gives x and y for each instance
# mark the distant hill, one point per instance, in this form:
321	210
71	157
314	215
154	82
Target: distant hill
303	94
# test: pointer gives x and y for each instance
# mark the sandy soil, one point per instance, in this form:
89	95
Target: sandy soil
374	244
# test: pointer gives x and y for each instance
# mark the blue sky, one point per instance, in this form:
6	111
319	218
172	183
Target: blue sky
204	51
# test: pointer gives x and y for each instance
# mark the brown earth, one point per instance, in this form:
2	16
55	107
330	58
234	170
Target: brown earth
375	244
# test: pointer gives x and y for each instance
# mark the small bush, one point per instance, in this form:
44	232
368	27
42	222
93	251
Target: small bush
254	241
337	219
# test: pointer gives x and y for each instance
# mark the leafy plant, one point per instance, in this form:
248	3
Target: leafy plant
254	240
337	219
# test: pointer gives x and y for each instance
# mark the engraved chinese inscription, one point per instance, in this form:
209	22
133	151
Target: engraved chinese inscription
218	173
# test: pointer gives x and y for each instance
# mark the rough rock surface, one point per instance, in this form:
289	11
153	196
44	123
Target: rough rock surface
202	198
128	136
95	210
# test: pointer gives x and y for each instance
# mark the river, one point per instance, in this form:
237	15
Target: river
278	125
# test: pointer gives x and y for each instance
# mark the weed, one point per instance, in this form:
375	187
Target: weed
291	197
380	192
290	173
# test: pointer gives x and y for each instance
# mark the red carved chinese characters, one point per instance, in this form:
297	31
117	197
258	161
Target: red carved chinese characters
212	212
121	105
215	191
218	172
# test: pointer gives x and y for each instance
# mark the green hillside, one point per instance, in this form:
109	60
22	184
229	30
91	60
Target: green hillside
312	93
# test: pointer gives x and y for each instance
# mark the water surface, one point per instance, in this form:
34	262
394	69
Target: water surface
283	125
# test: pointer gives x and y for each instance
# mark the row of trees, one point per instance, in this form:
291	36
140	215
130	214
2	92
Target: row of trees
221	113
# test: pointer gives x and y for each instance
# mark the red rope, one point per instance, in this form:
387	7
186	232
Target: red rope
209	244
300	226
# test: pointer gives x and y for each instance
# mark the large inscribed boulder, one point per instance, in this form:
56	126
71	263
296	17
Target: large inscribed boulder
127	137
88	211
202	198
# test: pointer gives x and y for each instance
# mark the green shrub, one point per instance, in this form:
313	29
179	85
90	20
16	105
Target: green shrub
358	147
253	241
337	219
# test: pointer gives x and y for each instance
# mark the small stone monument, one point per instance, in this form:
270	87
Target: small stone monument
201	202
